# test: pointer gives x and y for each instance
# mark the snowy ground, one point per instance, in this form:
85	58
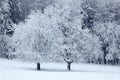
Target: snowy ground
14	70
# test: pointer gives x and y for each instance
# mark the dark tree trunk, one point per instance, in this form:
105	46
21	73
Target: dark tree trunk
104	58
38	66
68	61
105	52
69	66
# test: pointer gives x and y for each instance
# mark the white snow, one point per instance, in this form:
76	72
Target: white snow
15	70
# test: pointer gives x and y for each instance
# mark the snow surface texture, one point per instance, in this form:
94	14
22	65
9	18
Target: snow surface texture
12	70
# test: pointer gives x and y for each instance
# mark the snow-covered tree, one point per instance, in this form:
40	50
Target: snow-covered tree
109	35
34	39
72	36
5	21
101	13
15	11
41	4
6	28
5	46
64	48
90	7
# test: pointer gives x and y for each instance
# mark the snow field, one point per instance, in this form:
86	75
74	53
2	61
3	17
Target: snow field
15	70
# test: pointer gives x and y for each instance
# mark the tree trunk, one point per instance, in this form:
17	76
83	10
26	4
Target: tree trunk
68	61
69	66
105	58
38	66
105	52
